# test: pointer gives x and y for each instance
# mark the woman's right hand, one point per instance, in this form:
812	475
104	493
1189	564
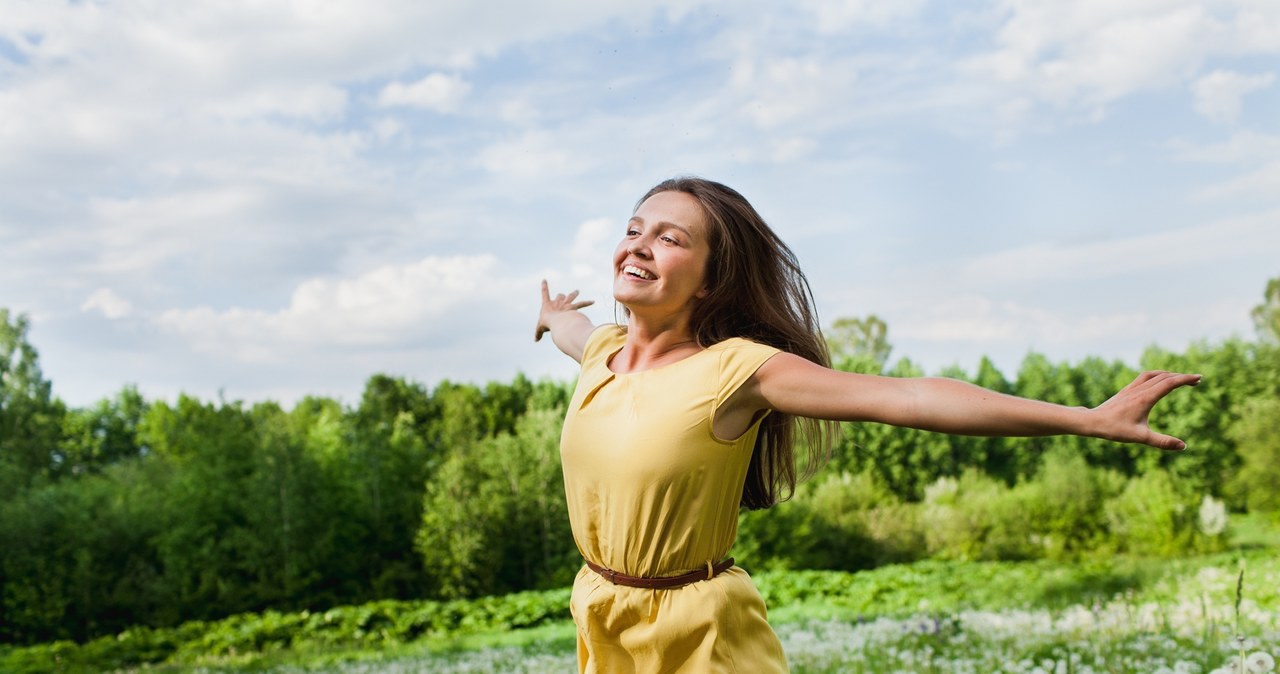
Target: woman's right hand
569	327
556	308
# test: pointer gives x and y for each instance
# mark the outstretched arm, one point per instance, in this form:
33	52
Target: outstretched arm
569	327
797	386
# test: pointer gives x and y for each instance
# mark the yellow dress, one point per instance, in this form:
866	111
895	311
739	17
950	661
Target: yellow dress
652	492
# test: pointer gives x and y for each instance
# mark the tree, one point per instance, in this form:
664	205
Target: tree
902	459
30	417
207	545
1266	316
391	461
859	344
1258	441
106	433
494	518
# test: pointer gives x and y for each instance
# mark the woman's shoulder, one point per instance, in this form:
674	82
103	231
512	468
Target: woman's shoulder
743	345
603	338
732	342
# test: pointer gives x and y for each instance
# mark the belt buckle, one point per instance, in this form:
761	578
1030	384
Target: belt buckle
611	575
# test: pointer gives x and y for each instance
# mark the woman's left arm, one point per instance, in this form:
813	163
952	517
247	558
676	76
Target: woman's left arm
791	384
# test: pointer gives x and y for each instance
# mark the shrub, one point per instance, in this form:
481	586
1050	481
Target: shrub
1151	517
843	522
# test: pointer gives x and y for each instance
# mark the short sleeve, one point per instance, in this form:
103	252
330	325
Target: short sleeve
739	359
601	342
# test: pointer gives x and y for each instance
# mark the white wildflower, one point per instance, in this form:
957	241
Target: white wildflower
1259	663
942	491
1213	516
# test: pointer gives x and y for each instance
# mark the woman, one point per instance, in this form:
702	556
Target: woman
685	415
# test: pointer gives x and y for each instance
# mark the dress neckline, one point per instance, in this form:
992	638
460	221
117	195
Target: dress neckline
608	359
608	362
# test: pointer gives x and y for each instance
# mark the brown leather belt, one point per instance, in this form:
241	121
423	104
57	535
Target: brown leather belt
668	582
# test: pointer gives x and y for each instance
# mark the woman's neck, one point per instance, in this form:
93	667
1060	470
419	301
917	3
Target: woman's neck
654	343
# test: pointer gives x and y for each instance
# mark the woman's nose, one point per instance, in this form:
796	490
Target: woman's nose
638	249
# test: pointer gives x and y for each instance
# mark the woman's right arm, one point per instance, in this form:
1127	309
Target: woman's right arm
569	327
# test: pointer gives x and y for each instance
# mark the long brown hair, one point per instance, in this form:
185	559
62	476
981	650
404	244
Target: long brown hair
757	291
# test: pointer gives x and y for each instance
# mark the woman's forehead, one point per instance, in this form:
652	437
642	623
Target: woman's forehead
675	208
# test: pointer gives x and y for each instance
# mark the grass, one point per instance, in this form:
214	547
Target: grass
1127	615
1112	614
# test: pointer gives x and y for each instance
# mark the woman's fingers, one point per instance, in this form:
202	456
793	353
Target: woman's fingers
1166	442
551	306
1130	409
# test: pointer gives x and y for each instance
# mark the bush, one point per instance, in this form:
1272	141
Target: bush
975	517
1151	517
1059	514
842	522
1256	484
1067	502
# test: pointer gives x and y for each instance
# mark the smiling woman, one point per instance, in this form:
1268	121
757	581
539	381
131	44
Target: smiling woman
686	414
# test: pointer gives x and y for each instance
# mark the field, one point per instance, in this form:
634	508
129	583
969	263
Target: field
1175	616
1119	615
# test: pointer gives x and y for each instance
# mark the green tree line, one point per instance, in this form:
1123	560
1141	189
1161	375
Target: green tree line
150	512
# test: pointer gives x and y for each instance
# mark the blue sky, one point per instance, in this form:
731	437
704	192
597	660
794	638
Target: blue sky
273	199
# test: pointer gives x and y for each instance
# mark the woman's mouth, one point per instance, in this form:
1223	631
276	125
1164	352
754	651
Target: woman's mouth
632	270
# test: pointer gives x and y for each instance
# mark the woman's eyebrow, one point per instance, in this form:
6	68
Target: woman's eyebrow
662	223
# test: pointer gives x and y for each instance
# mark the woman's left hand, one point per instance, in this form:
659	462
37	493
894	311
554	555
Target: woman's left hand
1123	418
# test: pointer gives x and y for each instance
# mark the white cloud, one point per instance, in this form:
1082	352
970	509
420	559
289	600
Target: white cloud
394	306
1005	331
593	247
785	89
307	102
108	303
437	91
386	128
975	318
518	111
838	15
1093	52
263	172
1082	56
792	149
1219	94
1241	147
1263	181
591	261
1219	241
137	233
534	154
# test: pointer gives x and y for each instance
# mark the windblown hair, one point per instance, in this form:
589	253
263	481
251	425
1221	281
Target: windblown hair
757	291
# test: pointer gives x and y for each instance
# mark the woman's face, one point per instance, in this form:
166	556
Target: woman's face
661	262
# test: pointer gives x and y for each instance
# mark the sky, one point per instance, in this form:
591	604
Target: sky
267	200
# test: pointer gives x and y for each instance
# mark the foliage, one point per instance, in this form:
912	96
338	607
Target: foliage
495	518
1257	436
1067	510
374	625
923	597
153	512
840	521
30	416
1152	516
1266	316
859	344
104	434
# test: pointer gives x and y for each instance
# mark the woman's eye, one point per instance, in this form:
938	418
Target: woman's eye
669	239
